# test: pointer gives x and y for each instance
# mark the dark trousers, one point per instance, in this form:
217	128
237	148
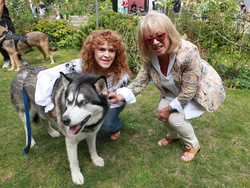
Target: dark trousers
112	123
7	23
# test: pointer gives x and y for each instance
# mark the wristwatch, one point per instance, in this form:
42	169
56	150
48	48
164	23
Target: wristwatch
171	109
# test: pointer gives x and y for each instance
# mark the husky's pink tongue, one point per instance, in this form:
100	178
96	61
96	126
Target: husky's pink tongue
75	129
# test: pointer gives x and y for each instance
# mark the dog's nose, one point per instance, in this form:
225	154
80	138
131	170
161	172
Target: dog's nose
65	120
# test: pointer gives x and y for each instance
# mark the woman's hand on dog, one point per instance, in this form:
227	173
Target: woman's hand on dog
113	98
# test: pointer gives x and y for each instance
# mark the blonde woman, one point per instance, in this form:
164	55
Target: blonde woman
189	85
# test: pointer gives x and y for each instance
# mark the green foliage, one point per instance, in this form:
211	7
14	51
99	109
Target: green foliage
217	30
201	23
60	32
105	5
20	14
83	7
234	72
234	76
208	17
77	7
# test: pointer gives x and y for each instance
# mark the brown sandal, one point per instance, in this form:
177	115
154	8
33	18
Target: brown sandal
190	153
165	141
114	137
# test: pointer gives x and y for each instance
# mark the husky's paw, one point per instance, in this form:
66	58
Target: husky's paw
98	161
33	143
78	178
54	134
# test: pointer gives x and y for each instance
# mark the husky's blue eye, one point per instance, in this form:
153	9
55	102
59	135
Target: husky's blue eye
84	102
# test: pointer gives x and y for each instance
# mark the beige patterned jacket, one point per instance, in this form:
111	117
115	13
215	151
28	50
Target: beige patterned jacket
195	78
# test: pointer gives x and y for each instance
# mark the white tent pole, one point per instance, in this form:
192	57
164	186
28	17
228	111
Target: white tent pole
96	10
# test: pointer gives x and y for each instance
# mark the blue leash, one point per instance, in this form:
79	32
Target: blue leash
25	98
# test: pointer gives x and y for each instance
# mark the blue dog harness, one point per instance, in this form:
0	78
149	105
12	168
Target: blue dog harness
26	106
25	98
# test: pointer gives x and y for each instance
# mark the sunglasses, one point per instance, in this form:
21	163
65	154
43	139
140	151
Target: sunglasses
160	37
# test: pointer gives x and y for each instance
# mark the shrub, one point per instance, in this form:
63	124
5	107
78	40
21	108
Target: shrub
208	17
60	32
202	24
234	76
83	7
77	7
218	33
21	15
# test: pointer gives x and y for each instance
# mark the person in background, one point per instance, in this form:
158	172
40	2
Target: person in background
103	53
176	6
242	7
133	7
188	85
125	4
42	10
154	4
34	10
6	22
59	15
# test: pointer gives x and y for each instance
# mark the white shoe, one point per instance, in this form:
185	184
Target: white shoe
6	64
23	63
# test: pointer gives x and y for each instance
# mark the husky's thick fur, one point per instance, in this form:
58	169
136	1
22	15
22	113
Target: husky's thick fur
81	103
36	38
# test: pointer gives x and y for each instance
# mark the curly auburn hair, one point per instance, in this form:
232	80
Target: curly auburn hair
98	38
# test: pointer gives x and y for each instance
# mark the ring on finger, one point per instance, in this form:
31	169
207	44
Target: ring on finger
163	120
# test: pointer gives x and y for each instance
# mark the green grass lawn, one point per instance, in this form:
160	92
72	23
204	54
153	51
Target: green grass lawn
134	160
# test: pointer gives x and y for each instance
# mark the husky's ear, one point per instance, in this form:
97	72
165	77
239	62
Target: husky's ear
101	86
65	80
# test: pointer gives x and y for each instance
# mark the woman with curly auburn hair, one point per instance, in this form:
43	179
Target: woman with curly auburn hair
103	53
95	40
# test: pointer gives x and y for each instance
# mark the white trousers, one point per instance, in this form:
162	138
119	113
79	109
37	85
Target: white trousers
177	125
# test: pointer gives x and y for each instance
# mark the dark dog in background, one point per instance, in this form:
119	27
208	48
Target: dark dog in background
13	46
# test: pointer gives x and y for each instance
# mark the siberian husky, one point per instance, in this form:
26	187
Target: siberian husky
81	103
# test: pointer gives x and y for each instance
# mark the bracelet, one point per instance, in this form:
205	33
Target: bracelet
171	109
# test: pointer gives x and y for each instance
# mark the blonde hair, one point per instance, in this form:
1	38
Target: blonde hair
148	23
98	38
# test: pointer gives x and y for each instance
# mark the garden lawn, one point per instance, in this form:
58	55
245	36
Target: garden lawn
134	160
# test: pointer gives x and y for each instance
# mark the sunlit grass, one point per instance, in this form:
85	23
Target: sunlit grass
134	160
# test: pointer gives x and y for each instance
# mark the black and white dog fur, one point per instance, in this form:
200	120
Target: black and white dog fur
81	103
